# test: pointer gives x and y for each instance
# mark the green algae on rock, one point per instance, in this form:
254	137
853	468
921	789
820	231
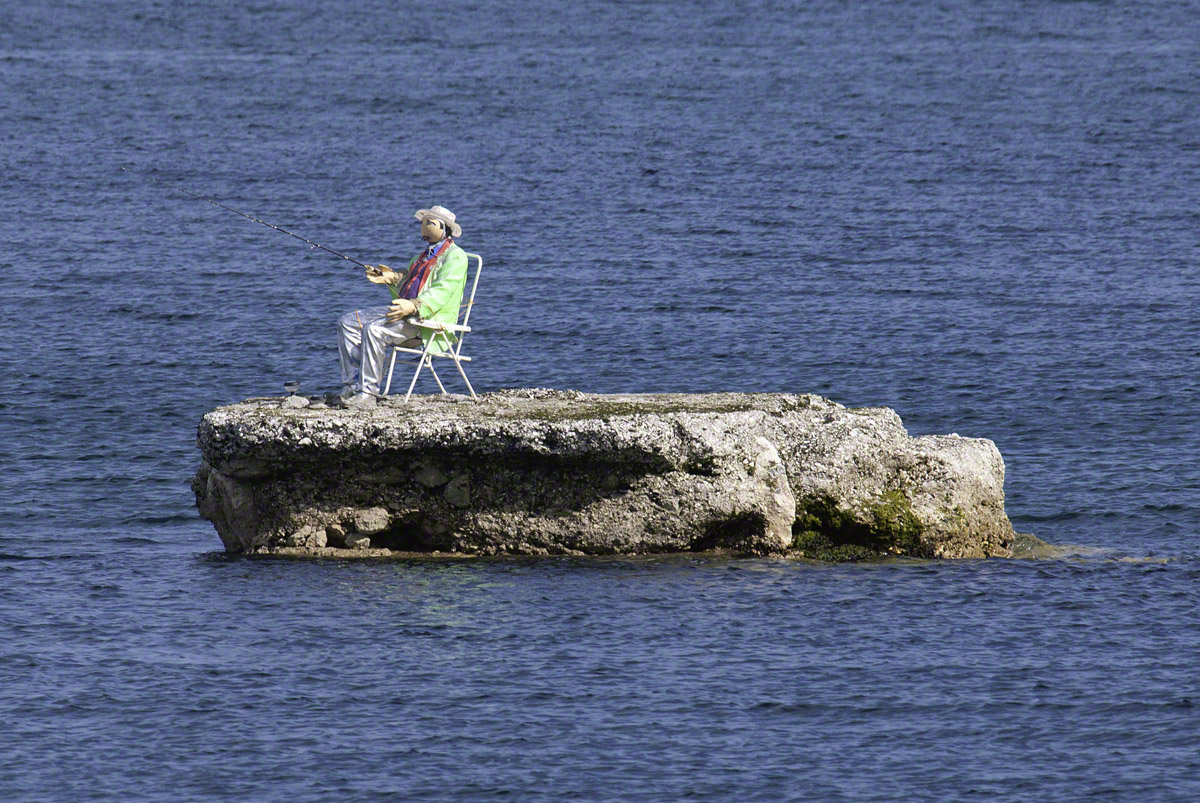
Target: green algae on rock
561	472
886	526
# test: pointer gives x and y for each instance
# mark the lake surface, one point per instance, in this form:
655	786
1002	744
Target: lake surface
982	215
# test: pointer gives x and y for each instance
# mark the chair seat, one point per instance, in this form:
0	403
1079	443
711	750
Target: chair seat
437	326
444	355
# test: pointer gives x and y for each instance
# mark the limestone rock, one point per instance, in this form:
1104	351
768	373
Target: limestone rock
335	534
458	491
357	541
372	520
301	536
430	477
560	472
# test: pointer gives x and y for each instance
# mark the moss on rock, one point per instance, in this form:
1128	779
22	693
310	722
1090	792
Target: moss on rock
886	526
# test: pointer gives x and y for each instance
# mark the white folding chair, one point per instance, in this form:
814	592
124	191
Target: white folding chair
425	356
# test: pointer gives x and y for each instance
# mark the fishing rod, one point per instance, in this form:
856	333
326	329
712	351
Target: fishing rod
243	214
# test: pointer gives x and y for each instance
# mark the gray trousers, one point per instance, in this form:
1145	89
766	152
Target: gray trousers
363	339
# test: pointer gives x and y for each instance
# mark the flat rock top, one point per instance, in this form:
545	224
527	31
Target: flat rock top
546	405
669	429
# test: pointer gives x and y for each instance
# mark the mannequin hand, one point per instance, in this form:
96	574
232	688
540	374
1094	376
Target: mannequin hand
401	308
381	274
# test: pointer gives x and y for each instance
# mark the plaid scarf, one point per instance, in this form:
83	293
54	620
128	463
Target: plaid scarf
422	269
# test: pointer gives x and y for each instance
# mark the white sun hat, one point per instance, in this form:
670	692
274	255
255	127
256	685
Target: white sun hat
443	214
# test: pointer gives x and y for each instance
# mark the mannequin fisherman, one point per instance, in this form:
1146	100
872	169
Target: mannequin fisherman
430	288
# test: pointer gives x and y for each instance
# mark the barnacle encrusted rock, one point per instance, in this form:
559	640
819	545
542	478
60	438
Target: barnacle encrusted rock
562	472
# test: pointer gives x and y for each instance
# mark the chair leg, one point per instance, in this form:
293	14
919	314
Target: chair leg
391	367
464	376
437	378
420	364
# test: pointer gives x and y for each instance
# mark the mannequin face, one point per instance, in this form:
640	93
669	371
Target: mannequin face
433	231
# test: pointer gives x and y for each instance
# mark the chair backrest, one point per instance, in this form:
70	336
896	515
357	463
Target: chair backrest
470	301
474	284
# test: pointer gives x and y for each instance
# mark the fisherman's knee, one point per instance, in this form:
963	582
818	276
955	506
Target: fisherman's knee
377	332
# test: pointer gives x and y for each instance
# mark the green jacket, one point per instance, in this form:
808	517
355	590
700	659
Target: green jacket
443	294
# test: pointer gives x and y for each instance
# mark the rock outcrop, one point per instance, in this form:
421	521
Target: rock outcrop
562	472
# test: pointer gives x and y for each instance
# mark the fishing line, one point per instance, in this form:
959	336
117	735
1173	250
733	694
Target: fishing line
243	214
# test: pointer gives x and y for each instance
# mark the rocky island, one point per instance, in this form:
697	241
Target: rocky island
566	473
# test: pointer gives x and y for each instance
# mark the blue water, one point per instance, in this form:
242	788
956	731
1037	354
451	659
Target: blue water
983	215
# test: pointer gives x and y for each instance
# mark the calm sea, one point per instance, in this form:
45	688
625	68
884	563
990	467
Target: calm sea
984	215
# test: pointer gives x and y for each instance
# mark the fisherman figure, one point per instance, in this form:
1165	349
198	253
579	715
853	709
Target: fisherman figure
431	288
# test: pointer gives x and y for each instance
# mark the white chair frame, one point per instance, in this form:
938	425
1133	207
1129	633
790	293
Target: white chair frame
453	351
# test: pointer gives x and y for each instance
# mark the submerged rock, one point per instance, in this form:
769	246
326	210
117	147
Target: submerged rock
561	472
